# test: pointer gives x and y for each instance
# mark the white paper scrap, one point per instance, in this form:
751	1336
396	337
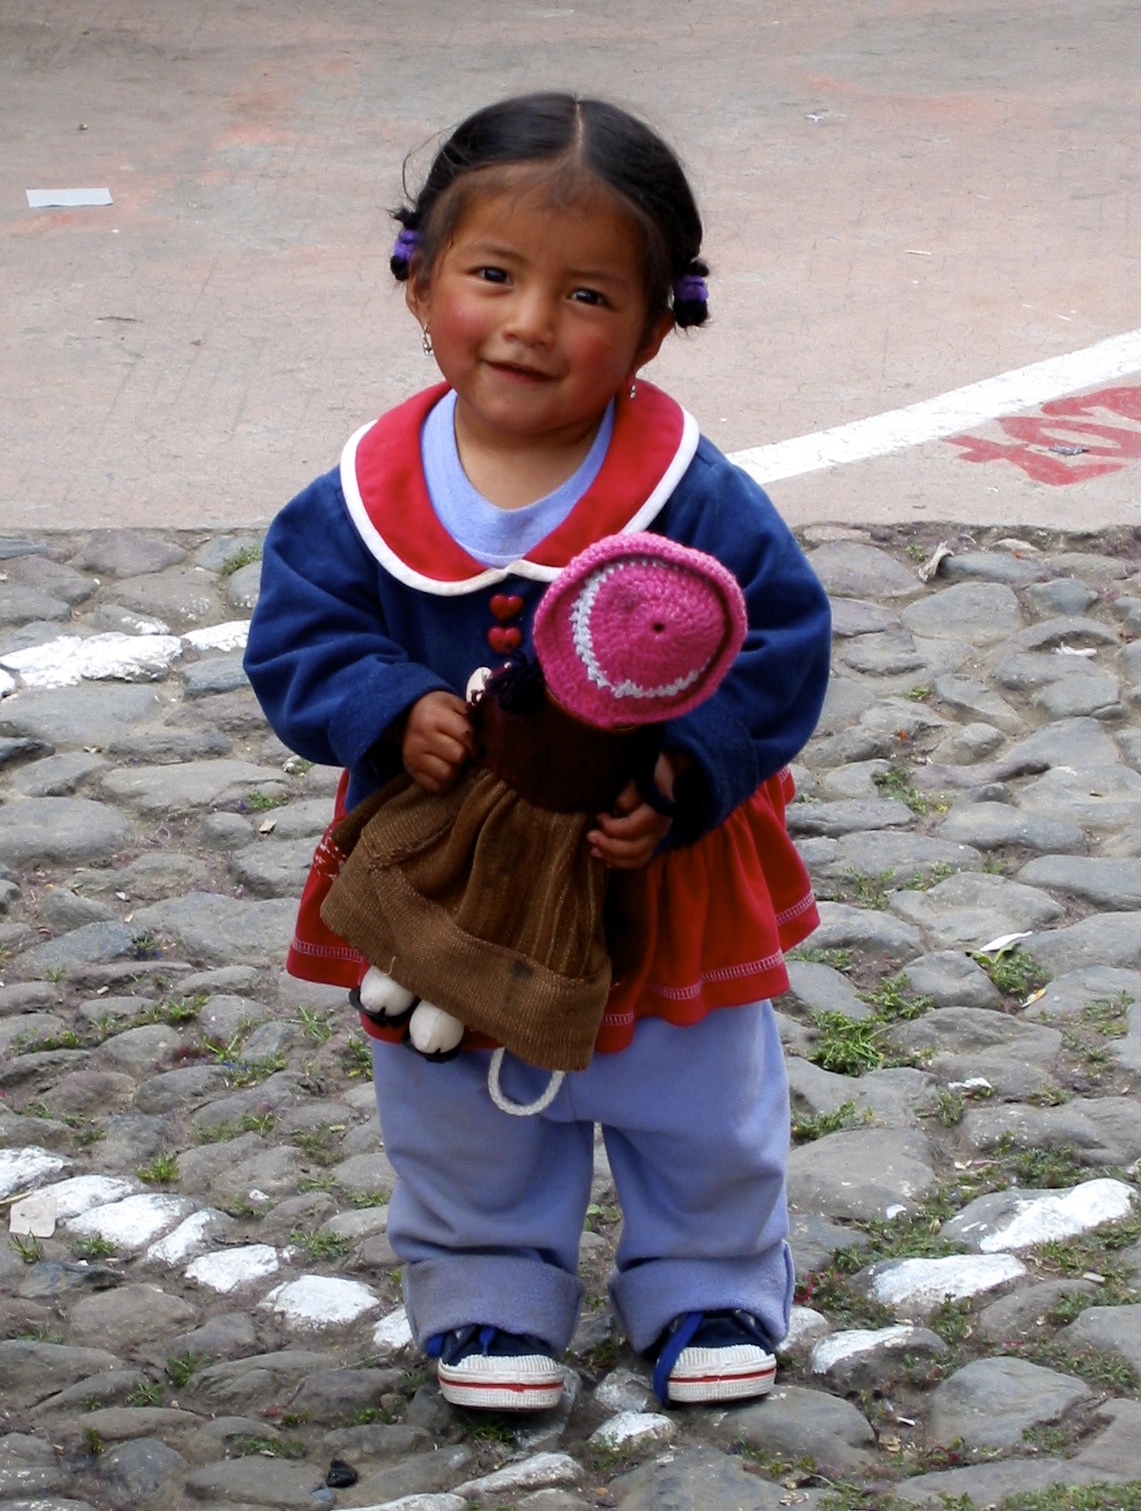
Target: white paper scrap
47	199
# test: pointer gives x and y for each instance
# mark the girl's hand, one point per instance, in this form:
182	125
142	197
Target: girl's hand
627	838
438	741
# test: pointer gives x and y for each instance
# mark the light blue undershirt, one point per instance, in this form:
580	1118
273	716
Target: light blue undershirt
496	537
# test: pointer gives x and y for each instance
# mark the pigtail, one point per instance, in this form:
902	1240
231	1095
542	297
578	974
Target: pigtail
691	295
407	244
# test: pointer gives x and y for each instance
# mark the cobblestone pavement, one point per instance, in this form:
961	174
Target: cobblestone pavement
200	1306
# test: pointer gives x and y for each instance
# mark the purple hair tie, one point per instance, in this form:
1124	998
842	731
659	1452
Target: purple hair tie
406	243
691	289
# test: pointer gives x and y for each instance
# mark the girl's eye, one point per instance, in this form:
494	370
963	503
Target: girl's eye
587	296
491	275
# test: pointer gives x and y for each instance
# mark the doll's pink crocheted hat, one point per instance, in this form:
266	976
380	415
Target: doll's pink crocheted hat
637	629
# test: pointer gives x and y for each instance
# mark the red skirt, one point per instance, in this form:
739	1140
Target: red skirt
717	917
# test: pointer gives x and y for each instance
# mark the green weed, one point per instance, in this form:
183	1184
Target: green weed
846	1046
318	1245
180	1367
161	1170
146	1394
318	1024
243	557
28	1246
268	1448
820	1124
894	1002
839	960
896	783
93	1246
262	802
1015	972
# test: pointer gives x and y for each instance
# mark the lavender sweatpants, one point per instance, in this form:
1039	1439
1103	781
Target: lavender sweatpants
488	1209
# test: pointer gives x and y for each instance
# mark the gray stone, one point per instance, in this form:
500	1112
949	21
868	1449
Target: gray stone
1025	1312
227	1335
377	1440
1066	631
1112	939
978	613
844	927
135	1472
1062	595
889	1098
869	1360
970	909
1107	883
890	654
273	868
125	553
83	946
153	875
1097	797
1093	693
861	1173
89	715
1113	1328
1116	1450
694	1479
991	1484
847	817
1066	742
160	746
852	569
54	578
62	831
58	775
958	1036
62	909
858	616
1069	995
969	744
819	988
217	674
33	1371
994	566
221	551
213	929
184	598
421	1475
951	979
176	1090
256	1481
814	1239
795	1423
991	1402
242	587
369	1173
195	785
256	1380
911	858
1098	1131
332	1394
142	1050
993	826
225	1016
965	695
20	604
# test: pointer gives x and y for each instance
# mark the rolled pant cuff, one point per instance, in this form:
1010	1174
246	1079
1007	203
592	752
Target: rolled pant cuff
496	1290
649	1296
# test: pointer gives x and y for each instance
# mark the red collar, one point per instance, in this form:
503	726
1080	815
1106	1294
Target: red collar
383	482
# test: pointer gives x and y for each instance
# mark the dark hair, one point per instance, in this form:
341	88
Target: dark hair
579	139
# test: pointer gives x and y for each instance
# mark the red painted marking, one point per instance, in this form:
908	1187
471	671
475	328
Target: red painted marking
1064	422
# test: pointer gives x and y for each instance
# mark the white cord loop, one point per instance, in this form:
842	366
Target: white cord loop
518	1109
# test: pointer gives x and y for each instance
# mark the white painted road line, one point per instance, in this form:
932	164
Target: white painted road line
947	414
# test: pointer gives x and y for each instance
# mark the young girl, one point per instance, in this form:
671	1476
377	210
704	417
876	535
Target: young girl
552	249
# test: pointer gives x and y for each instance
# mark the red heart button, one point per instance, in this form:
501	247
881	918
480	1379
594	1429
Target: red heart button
504	638
506	605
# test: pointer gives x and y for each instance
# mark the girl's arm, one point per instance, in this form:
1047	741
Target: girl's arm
319	656
767	707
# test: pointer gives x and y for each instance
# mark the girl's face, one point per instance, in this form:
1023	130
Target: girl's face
537	315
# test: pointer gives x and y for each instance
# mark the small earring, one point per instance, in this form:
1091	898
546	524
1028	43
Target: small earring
426	342
633	388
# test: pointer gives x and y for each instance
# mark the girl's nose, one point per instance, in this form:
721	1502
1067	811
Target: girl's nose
531	317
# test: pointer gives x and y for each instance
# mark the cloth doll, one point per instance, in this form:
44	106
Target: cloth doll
483	907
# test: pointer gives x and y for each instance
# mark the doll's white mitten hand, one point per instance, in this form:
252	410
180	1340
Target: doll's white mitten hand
382	997
433	1031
